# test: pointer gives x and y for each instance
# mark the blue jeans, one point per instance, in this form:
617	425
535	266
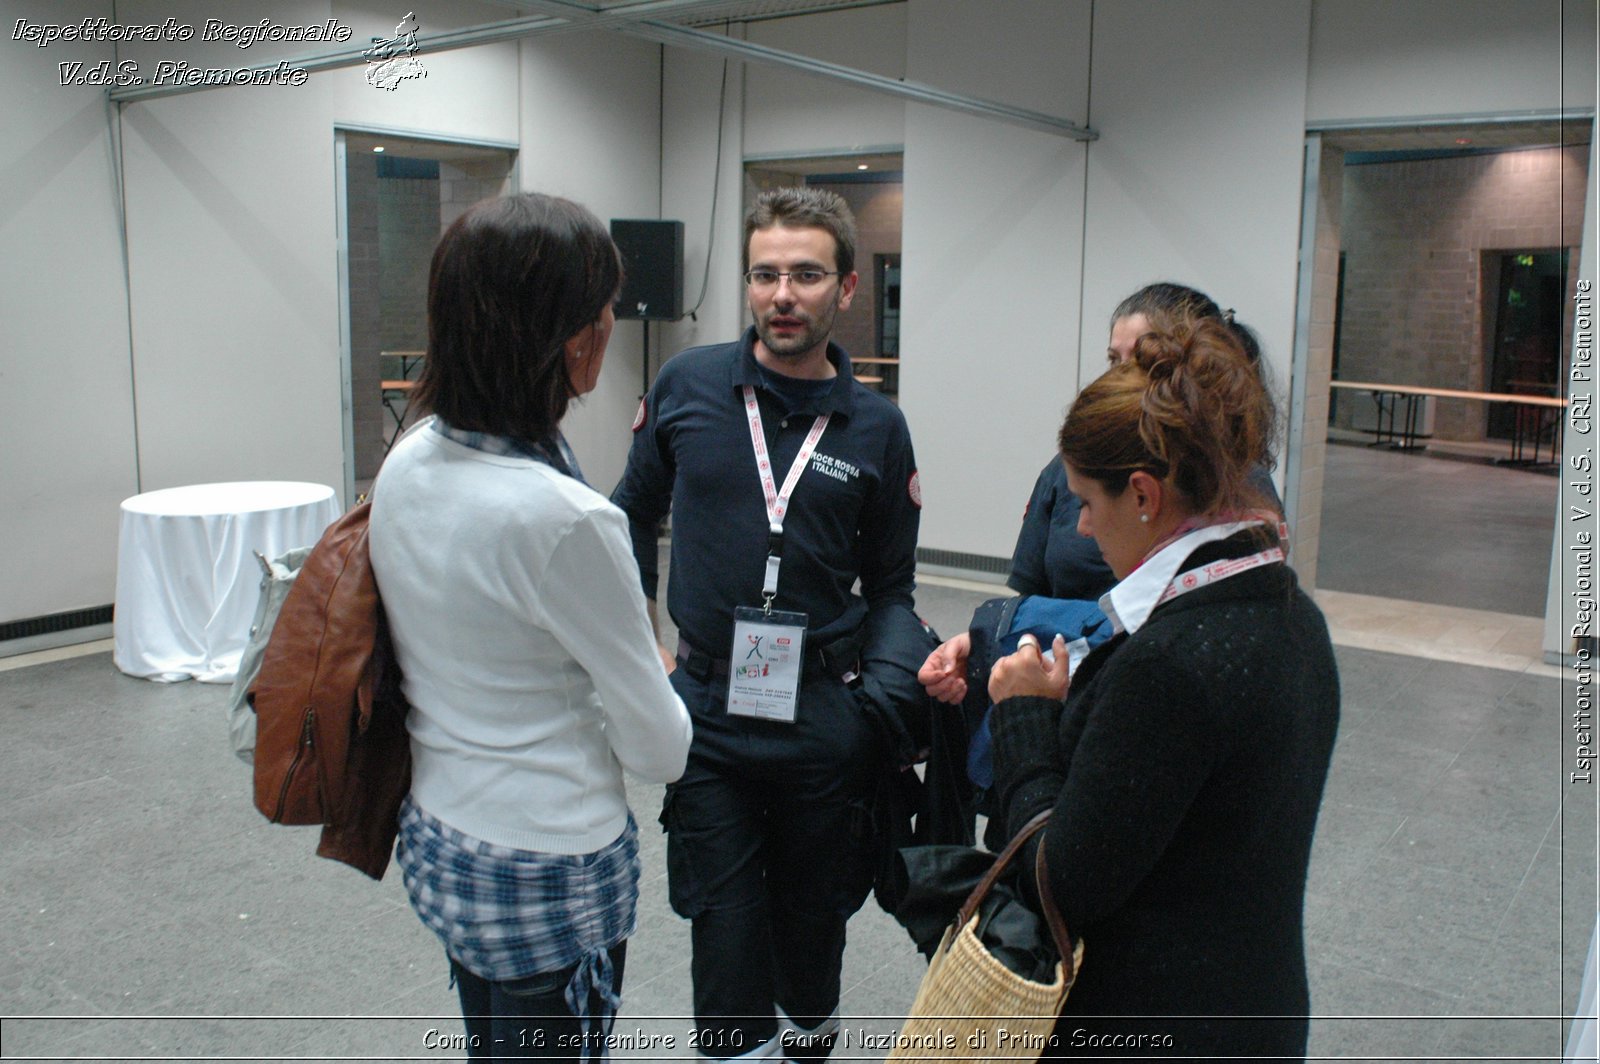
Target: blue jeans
529	1018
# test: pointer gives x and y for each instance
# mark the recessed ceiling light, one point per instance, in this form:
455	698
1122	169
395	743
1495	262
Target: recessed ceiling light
379	148
861	166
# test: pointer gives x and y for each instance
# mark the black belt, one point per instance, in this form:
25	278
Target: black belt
840	659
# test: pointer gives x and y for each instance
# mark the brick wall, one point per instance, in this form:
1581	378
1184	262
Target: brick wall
394	225
408	229
461	184
1417	236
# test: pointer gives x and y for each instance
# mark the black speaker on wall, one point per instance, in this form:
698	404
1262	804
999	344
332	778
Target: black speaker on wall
652	255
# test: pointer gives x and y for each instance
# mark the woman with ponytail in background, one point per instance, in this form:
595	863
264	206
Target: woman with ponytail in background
1186	757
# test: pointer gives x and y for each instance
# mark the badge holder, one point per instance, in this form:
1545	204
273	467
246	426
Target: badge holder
769	653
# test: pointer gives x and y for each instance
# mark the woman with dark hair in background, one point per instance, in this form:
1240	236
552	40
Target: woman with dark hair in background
518	622
1185	763
1051	557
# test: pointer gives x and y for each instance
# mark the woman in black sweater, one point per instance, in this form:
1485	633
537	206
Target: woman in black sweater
1186	763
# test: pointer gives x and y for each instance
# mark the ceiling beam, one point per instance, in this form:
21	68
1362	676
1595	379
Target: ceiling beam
916	92
557	16
578	17
699	40
444	41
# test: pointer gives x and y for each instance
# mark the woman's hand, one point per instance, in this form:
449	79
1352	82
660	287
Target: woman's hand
944	674
668	662
1026	673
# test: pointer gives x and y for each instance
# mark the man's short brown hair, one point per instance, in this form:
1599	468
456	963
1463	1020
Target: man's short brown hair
793	208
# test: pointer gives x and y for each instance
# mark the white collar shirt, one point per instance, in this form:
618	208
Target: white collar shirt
1130	603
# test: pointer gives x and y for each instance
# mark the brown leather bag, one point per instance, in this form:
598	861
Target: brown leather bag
331	745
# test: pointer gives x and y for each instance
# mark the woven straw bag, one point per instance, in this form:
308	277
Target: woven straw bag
972	1007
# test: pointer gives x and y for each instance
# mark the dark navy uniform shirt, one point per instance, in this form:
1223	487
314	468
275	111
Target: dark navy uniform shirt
1051	558
854	512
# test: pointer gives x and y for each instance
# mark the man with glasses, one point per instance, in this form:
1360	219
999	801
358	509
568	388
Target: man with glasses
788	482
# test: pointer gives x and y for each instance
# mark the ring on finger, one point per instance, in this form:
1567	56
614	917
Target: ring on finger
1028	639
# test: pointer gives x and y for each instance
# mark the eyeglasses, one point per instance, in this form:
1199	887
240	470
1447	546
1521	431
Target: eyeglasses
797	278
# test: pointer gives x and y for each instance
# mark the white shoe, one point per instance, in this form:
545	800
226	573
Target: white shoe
790	1032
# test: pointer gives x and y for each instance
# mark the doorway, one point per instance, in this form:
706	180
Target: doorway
1529	300
396	195
1402	283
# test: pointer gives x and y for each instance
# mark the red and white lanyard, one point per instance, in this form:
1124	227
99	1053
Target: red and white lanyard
1217	571
777	498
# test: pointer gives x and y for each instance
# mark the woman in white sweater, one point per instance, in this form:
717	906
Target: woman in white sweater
518	622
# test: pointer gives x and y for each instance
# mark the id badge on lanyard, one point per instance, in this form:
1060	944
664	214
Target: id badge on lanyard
769	646
769	653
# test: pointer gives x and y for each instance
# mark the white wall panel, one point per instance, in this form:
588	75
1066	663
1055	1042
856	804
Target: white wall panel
1197	175
66	404
1571	582
991	266
468	94
795	114
690	172
231	246
591	133
1395	58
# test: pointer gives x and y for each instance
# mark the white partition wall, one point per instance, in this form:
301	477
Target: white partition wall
1196	175
233	240
1017	246
231	260
228	367
66	388
790	114
699	98
591	133
1383	59
1570	596
992	258
470	94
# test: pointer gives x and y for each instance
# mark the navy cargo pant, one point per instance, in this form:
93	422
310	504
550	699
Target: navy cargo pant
769	852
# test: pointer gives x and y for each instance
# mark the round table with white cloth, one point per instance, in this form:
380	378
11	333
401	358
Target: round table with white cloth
187	576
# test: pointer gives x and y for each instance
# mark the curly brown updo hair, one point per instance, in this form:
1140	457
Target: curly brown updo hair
1188	408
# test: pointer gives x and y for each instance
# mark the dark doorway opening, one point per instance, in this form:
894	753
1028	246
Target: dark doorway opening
1525	349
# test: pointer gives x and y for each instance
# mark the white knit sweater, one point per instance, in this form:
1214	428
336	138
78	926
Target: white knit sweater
520	626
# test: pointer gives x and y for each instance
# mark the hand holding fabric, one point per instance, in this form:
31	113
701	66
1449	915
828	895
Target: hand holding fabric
1027	674
944	674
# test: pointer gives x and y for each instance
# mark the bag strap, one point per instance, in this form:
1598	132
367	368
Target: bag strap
1052	914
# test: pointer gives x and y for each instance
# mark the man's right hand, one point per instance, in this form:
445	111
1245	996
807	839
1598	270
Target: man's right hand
944	674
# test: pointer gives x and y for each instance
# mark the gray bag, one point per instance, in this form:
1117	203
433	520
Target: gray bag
276	580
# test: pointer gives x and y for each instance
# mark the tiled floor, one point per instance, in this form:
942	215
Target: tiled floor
1425	528
150	912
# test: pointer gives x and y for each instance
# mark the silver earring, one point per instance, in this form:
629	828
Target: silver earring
1144	519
